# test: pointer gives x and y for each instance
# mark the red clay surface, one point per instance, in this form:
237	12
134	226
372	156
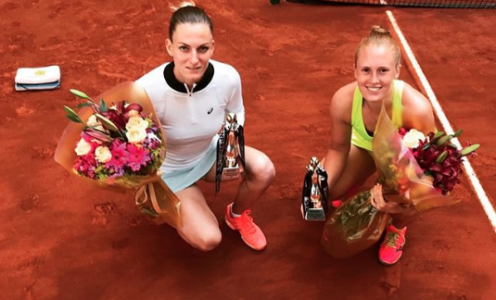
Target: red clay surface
61	239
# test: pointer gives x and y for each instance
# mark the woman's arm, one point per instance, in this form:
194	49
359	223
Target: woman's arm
337	155
235	104
417	111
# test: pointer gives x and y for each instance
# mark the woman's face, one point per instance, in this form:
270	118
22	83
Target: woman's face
375	71
191	47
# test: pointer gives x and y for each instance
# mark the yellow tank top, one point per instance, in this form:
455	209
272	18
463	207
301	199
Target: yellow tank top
359	135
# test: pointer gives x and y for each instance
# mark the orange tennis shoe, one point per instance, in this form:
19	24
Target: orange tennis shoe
251	234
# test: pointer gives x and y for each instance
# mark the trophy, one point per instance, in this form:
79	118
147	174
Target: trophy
230	152
315	190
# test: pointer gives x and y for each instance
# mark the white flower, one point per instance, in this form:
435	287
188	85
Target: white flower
95	123
102	154
136	135
136	122
83	147
412	138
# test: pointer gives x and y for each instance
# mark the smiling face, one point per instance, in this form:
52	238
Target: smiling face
376	68
191	47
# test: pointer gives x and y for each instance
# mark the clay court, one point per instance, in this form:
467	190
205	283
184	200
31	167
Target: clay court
62	239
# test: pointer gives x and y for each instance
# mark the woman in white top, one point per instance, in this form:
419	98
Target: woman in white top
191	96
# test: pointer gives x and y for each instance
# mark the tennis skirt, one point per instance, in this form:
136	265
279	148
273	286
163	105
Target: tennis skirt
180	179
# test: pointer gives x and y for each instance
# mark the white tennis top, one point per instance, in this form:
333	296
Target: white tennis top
192	119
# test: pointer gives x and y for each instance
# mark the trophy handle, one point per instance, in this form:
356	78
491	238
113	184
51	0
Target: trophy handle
307	186
323	187
241	145
221	152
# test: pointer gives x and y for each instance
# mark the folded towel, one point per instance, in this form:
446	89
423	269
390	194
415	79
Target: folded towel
43	78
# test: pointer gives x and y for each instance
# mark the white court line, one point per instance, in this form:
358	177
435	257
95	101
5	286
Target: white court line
469	171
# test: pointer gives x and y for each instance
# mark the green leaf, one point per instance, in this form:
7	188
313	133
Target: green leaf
444	139
426	146
80	94
107	123
84	104
469	149
72	115
74	119
458	133
440	159
437	135
103	105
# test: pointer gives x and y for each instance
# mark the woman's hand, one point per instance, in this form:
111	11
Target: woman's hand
377	200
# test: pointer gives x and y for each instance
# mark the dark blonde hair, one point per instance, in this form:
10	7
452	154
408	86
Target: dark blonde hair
378	36
187	12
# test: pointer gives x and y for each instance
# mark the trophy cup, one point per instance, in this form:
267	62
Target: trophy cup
230	151
315	190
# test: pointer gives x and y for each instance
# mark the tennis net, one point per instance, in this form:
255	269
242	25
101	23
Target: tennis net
410	3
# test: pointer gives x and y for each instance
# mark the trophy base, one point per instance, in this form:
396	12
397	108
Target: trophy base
231	174
315	214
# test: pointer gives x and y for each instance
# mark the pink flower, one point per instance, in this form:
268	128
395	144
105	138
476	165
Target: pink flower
119	156
137	157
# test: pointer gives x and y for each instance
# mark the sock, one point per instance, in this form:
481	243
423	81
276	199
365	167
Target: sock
233	214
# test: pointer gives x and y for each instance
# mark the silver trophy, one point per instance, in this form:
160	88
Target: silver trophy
314	196
230	151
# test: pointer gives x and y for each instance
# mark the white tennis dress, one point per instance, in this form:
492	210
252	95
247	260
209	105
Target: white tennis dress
192	118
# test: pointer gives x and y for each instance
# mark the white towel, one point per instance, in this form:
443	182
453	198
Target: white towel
42	78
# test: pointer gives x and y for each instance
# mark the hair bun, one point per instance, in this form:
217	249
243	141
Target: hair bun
183	4
376	29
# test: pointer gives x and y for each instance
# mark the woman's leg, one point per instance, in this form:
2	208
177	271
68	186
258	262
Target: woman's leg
359	166
200	227
259	174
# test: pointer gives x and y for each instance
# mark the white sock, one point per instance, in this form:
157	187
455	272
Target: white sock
233	214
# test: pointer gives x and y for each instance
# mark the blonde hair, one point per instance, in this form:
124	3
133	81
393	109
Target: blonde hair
188	12
378	36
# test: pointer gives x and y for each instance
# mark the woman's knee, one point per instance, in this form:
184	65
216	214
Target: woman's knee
207	240
262	168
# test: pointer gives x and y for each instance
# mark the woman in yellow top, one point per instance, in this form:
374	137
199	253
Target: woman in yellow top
354	112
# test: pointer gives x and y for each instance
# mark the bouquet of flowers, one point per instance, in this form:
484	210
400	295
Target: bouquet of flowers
414	170
122	145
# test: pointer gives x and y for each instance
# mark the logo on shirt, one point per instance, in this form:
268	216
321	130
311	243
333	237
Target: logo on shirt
210	110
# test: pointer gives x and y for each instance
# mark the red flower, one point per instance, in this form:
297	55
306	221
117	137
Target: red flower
116	118
440	159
